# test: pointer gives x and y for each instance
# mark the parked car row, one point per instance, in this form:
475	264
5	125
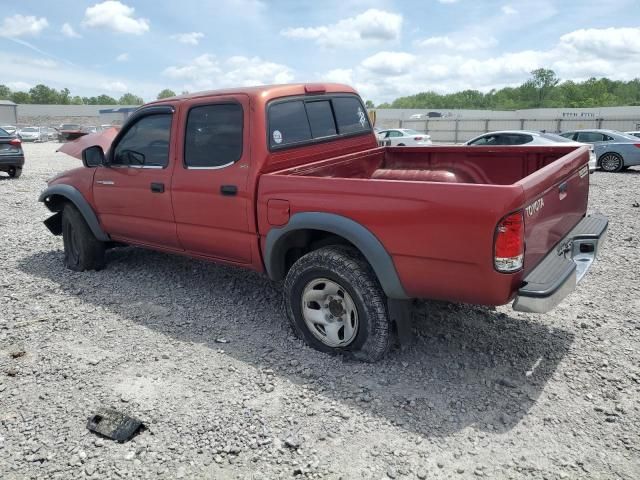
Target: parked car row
529	137
63	133
612	151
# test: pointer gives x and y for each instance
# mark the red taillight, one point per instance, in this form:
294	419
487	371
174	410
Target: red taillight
15	141
509	243
637	145
417	138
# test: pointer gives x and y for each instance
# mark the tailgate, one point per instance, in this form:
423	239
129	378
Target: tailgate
556	200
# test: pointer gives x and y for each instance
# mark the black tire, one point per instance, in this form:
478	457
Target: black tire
611	162
82	250
346	267
14	172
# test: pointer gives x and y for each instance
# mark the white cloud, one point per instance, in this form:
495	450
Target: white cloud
371	27
389	63
448	1
207	71
606	42
68	31
464	44
116	16
21	25
123	57
191	38
509	10
577	55
19	86
339	75
114	86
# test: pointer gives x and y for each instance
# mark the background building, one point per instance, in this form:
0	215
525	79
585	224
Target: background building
8	113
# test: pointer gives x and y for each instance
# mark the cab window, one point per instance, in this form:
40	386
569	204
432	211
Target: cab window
213	136
146	143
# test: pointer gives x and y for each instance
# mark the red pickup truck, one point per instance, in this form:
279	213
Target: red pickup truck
289	180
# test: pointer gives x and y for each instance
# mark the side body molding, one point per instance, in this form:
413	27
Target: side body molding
363	239
75	197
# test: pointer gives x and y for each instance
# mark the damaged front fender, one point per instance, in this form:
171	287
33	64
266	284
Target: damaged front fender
54	223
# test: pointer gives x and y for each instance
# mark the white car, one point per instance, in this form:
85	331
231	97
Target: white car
403	137
635	133
527	138
33	134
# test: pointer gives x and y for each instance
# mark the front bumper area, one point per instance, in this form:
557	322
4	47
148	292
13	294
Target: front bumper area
557	275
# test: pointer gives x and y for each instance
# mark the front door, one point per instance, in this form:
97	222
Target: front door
133	194
211	200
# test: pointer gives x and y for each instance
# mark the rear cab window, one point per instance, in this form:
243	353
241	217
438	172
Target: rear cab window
300	121
213	135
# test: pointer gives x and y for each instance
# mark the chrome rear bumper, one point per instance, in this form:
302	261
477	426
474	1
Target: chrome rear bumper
557	275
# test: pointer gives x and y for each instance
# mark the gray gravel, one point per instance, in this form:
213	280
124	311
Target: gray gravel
203	355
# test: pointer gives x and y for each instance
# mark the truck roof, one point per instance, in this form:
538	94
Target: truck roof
265	92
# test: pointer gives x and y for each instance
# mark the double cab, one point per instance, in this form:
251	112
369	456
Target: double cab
289	180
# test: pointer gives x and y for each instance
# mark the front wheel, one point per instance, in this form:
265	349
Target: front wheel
82	250
336	305
611	162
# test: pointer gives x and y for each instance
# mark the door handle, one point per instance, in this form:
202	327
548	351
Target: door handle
106	182
157	187
228	190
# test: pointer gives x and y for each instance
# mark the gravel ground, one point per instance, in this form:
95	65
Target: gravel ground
203	355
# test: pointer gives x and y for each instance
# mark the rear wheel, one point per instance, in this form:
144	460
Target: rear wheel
82	250
611	162
336	305
14	172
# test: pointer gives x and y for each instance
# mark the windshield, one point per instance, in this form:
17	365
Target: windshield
70	126
3	133
29	129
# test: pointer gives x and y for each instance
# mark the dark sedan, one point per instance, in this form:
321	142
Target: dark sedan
11	154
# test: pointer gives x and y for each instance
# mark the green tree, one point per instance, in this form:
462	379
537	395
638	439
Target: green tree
130	99
64	96
76	100
542	83
103	100
369	104
21	97
166	93
5	92
41	94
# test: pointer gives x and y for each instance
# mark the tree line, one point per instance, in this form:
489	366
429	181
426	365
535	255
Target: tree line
43	95
543	90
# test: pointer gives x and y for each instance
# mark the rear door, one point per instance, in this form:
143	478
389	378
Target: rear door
210	193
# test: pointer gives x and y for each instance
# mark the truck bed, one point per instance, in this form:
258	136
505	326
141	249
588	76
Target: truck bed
436	209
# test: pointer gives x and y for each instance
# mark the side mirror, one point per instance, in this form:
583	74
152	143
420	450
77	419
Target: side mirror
93	157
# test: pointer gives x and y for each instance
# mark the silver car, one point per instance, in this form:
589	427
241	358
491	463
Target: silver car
635	133
528	138
33	134
615	150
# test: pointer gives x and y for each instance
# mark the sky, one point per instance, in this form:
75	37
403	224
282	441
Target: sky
384	48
